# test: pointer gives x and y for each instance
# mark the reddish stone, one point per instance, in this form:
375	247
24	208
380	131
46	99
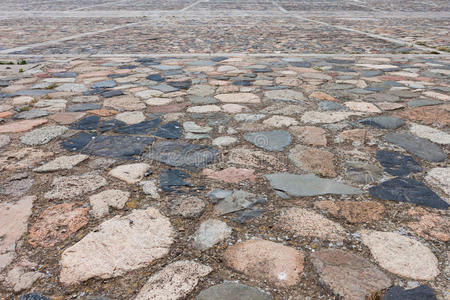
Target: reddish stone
21	126
313	160
56	224
67	118
103	112
323	96
310	135
430	225
231	175
353	211
5	114
427	115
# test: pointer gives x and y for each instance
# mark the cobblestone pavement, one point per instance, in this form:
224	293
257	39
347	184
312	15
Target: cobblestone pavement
224	150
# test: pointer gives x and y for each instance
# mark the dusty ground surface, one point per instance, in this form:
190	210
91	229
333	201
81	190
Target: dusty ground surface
224	149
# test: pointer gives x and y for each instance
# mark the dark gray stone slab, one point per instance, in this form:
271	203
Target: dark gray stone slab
64	75
155	77
275	140
88	123
171	130
179	154
423	148
122	146
145	127
31	114
422	292
83	107
423	102
103	84
402	189
33	296
397	164
232	291
78	142
173	180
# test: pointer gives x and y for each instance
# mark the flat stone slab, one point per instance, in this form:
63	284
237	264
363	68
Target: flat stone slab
422	292
383	122
397	164
401	255
131	242
118	146
209	233
67	187
78	142
407	190
348	275
64	162
279	265
421	147
179	154
175	281
232	291
308	185
275	140
42	136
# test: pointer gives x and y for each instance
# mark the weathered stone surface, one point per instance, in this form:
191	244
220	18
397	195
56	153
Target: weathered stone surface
313	160
397	164
78	142
362	173
353	211
67	187
422	292
182	154
21	126
120	245
16	185
308	185
42	136
173	180
201	90
232	291
238	98
33	296
317	117
251	158
264	260
131	173
285	95
427	115
237	200
224	141
149	188
439	177
231	175
20	279
417	146
126	103
383	122
67	117
64	162
280	121
4	140
209	233
362	106
13	224
175	281
56	224
131	117
185	206
429	225
434	135
348	275
401	255
101	202
123	147
275	140
407	190
309	135
307	223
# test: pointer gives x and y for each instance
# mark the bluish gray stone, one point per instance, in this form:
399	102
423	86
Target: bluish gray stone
31	114
232	291
171	180
422	292
423	102
397	164
83	107
383	122
145	127
87	123
122	146
165	88
275	140
103	84
423	148
64	75
77	142
308	185
33	296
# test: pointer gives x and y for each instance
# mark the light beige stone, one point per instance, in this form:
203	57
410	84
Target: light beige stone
131	117
174	282
362	106
401	255
439	177
280	121
433	134
64	162
317	117
101	202
120	245
131	173
238	98
67	187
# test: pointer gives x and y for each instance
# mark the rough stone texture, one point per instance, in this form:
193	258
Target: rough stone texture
313	160
362	106
353	211
308	185
67	117
126	103
231	175
67	187
434	135
150	188
251	158
64	162
284	95
20	279
209	233
307	223
126	147
417	146
238	98
348	275
427	115
224	141
397	164
401	255
187	207
174	282
42	136
317	117
407	190
362	173
120	245
17	185
429	225
4	140
383	122
131	117
280	121
275	140
279	265
439	177
101	202
57	223
232	291
237	200
309	135
131	173
21	126
13	224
